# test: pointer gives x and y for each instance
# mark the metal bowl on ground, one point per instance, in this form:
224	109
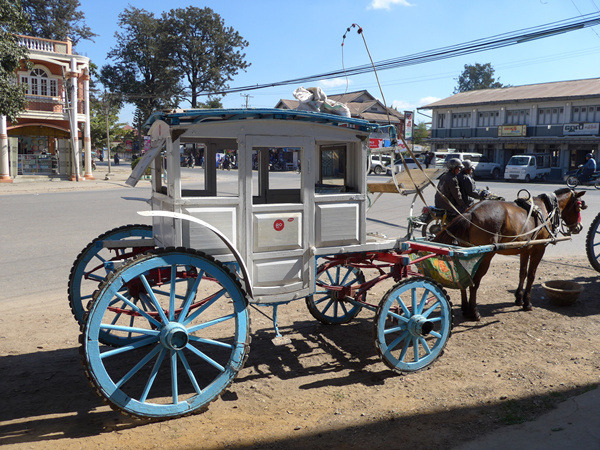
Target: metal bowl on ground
562	292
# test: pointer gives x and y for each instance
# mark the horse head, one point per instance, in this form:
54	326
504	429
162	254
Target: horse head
570	207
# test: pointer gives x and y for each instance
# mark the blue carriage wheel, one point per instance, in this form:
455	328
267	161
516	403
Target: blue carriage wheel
412	324
327	305
92	265
182	352
592	243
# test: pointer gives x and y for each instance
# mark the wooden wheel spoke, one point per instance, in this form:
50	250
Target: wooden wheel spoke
210	323
203	308
189	372
206	358
151	354
152	376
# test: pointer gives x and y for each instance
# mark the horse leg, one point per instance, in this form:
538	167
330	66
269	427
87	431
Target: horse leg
522	274
472	313
464	303
534	260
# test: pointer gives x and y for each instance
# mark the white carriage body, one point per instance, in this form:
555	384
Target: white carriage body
278	232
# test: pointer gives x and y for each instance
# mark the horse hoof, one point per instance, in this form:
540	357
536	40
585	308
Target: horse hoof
519	302
471	317
527	308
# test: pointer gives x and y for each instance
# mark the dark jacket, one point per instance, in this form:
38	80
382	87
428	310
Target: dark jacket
448	186
467	187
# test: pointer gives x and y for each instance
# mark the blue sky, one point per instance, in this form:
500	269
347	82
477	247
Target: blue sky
289	39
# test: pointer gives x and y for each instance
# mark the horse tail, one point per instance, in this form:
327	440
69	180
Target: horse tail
458	229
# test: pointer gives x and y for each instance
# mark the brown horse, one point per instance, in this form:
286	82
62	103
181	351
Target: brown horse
493	222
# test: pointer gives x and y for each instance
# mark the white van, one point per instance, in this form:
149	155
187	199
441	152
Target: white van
535	166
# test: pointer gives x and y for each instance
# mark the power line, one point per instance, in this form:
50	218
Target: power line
478	45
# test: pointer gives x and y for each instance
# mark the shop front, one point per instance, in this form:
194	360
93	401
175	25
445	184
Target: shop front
577	154
39	150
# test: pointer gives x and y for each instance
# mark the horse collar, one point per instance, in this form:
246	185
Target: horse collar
551	203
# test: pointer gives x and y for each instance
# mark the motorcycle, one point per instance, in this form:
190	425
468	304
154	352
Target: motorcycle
432	219
573	178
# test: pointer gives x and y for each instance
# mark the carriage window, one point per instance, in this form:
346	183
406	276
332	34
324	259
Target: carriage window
332	170
276	175
209	170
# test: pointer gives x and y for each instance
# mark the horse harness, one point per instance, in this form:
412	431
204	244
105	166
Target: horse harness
551	223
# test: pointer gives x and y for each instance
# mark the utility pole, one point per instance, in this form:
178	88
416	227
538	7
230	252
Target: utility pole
107	107
247	97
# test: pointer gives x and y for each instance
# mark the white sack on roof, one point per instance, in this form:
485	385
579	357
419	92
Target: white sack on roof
314	99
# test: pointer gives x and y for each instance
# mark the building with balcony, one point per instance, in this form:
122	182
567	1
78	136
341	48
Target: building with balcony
560	118
45	139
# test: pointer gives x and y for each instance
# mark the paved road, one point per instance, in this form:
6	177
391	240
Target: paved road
42	233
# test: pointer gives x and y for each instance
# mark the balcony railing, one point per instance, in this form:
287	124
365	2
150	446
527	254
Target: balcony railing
45	45
49	104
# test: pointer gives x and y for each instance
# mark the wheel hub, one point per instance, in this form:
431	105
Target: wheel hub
174	336
419	325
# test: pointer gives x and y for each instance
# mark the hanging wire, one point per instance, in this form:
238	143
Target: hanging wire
475	46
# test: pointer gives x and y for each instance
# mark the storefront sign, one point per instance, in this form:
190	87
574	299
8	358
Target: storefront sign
512	130
572	129
375	143
408	125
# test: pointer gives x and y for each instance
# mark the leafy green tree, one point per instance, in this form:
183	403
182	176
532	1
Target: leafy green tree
57	19
12	21
420	133
208	53
143	72
211	103
477	76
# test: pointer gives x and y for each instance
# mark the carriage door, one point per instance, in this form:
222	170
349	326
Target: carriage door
277	226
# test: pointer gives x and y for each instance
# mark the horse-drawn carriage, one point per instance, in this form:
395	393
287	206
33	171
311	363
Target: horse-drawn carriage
164	309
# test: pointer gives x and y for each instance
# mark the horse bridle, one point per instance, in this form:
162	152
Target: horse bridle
576	227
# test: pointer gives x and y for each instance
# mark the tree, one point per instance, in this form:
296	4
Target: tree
57	19
12	21
211	103
98	121
207	52
477	76
420	133
143	73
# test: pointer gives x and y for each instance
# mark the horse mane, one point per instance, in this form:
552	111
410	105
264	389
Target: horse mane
562	191
458	228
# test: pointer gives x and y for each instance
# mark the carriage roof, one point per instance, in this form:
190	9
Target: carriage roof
198	116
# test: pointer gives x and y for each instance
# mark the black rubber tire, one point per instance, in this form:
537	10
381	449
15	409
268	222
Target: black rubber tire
597	183
377	170
527	179
593	234
572	182
432	228
496	174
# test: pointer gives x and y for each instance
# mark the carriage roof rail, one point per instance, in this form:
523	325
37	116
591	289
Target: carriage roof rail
191	116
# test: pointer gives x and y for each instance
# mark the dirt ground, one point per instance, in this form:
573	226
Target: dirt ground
327	388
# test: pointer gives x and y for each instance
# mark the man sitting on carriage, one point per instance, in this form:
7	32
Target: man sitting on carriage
448	195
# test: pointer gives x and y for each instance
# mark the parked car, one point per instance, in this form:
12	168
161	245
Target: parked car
484	168
410	163
380	163
535	166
